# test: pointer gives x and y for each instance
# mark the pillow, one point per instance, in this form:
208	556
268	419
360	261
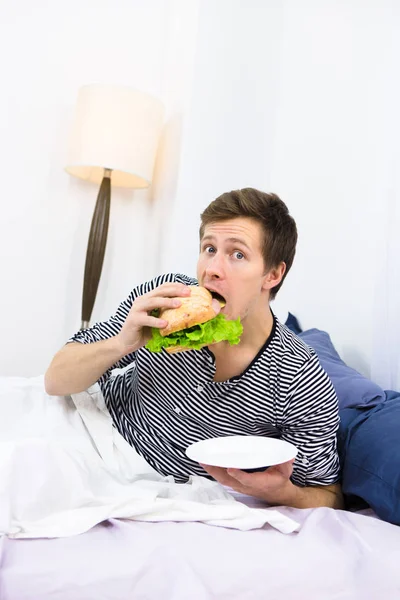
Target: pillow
369	450
293	324
353	389
368	436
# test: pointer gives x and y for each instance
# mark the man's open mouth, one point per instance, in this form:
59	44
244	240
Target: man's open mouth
218	297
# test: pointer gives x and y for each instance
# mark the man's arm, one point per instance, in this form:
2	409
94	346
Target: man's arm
312	497
310	423
77	366
275	487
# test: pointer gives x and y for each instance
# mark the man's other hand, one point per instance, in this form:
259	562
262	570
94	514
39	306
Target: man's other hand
272	485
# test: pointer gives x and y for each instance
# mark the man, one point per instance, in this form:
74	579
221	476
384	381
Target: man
270	384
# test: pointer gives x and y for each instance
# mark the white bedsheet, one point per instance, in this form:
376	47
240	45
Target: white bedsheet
64	468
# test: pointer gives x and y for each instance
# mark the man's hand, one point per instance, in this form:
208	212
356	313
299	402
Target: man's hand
136	331
272	486
275	487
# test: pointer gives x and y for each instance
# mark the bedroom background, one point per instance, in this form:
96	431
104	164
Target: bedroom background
297	98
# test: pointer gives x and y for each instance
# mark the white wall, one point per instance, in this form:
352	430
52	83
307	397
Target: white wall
230	123
285	96
327	163
289	97
49	50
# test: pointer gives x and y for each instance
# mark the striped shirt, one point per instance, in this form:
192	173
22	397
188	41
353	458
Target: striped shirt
161	403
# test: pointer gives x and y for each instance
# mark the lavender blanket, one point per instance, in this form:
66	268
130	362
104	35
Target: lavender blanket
336	555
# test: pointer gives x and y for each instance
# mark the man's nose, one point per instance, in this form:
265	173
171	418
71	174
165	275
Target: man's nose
215	267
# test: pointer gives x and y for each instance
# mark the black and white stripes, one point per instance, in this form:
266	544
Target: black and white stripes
162	403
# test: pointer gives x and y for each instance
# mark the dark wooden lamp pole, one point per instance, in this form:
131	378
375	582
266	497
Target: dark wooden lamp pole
96	248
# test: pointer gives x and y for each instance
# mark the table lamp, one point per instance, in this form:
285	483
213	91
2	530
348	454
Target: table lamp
113	141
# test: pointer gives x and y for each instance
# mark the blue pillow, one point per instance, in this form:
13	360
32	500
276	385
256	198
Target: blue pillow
293	323
368	436
369	450
353	389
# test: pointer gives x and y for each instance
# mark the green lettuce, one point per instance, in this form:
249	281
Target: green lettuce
216	330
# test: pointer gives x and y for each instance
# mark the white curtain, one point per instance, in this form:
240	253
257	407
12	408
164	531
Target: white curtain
385	367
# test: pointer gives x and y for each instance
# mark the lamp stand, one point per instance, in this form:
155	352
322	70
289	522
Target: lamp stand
96	248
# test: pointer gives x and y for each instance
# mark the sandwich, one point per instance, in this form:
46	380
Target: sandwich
196	323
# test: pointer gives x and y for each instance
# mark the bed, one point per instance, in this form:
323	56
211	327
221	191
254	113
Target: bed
335	555
346	554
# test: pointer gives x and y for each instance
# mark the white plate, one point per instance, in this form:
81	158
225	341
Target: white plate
241	452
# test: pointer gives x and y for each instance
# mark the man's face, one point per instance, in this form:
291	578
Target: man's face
231	264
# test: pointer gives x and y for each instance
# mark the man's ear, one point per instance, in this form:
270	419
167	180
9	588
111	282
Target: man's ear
274	276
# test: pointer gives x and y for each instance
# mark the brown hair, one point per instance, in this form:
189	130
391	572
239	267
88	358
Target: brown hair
279	228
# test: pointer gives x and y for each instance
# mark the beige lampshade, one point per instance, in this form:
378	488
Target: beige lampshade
116	128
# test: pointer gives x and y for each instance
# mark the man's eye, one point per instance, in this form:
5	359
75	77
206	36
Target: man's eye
239	255
209	249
